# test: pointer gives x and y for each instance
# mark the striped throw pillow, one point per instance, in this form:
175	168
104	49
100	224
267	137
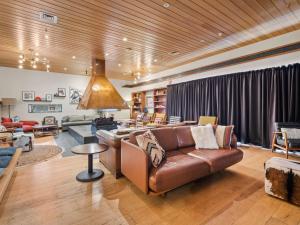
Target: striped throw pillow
223	135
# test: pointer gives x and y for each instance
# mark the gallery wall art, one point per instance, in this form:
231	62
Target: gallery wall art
44	108
75	95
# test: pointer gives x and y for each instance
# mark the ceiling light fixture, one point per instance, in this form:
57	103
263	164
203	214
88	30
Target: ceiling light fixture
65	68
202	41
106	54
34	66
155	60
46	34
20	60
119	65
124	39
220	34
73	57
37	54
21	56
48	66
166	5
20	66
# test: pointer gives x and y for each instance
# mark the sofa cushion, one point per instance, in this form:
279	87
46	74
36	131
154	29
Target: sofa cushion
29	122
291	133
223	135
293	143
7	151
4	161
176	170
149	144
74	118
217	159
27	128
6	120
76	123
90	117
184	136
166	137
204	137
12	125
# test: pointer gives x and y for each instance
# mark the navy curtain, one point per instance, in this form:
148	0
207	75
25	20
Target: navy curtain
252	101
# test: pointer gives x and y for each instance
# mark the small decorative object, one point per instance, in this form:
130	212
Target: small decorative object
37	99
75	95
61	92
48	97
28	95
44	108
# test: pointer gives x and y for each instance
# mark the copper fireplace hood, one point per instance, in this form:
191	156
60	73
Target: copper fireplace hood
100	93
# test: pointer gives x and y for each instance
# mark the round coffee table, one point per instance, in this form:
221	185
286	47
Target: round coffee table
89	149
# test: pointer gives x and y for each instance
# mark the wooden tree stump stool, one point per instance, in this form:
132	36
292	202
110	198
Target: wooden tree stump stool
282	179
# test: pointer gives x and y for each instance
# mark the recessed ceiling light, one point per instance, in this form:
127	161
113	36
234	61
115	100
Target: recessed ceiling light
174	53
220	34
119	65
37	59
97	64
135	81
20	66
155	60
73	57
48	66
166	5
124	39
20	60
202	41
36	54
106	54
65	69
138	73
21	56
91	67
34	66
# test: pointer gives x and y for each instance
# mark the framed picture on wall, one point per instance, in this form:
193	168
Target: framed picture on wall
28	95
48	97
61	92
75	95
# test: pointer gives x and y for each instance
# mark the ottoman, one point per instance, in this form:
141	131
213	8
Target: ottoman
282	179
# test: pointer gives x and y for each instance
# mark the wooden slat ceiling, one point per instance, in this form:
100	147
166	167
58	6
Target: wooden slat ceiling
91	29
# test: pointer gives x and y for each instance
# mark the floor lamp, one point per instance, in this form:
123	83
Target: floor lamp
9	102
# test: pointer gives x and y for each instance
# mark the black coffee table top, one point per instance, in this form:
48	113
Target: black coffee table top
87	149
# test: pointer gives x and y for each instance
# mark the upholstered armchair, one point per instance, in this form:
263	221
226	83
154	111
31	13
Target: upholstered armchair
286	137
49	120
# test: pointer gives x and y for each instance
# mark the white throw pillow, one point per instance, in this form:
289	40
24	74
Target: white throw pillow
204	137
292	133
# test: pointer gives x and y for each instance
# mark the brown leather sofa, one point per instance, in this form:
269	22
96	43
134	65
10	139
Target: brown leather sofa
182	165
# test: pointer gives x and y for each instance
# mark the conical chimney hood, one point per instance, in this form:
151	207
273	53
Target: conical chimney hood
100	93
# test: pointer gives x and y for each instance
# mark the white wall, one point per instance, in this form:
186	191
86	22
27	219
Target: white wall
14	81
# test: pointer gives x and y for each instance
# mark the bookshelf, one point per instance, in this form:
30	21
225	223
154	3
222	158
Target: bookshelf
154	100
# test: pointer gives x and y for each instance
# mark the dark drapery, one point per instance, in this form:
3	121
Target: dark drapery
252	101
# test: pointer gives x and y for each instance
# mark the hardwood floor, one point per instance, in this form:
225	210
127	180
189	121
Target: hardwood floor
48	193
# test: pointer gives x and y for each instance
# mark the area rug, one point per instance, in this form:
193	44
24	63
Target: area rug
39	153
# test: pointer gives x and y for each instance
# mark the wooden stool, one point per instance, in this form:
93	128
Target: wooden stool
282	179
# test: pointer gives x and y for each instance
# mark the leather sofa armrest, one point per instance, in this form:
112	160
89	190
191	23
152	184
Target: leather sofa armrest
135	165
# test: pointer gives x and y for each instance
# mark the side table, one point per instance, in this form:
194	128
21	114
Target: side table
89	149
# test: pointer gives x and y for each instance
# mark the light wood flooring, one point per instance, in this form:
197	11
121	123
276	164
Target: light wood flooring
48	194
